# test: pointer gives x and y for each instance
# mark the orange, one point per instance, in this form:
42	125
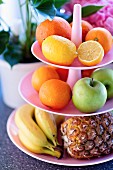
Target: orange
87	73
41	75
86	27
90	53
59	50
101	35
58	26
55	93
63	73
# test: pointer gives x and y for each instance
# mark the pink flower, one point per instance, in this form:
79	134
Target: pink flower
102	18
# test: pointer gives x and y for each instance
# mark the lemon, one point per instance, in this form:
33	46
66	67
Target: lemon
59	50
90	53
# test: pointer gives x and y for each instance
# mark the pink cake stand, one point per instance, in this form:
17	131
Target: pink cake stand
28	93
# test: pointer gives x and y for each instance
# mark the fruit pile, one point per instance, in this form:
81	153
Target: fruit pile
37	130
89	94
54	38
84	137
50	83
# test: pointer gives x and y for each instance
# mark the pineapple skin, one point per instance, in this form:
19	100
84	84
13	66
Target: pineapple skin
88	136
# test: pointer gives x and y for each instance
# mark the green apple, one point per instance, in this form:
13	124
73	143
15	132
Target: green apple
105	76
89	95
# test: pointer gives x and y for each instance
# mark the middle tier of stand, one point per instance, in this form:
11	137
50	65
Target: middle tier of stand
28	93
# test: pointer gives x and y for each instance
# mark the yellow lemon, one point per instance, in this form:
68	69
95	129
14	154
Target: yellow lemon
59	50
90	53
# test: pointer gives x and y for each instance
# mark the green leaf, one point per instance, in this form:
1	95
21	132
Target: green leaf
59	3
35	3
1	2
89	10
13	53
4	38
44	9
70	18
86	11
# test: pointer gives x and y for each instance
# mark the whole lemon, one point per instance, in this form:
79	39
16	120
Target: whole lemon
59	50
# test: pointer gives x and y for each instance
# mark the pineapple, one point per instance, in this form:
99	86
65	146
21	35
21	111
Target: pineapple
86	137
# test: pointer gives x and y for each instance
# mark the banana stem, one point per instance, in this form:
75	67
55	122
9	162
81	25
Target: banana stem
52	153
50	146
57	143
54	142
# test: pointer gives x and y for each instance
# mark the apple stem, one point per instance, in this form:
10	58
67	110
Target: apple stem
91	82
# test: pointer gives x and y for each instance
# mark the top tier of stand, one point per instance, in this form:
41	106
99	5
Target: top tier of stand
76	65
76	38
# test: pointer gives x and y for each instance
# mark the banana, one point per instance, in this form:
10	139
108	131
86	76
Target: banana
36	149
47	123
24	121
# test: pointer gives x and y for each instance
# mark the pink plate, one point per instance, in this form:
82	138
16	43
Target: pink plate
37	52
28	93
12	131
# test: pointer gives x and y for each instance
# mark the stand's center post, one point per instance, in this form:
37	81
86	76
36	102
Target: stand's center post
76	38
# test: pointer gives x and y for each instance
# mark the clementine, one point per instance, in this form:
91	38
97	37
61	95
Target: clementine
63	73
41	75
86	27
55	93
87	73
101	35
58	26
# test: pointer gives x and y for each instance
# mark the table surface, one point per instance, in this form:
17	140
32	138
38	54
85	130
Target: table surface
11	158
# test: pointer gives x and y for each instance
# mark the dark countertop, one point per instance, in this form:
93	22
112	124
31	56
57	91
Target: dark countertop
11	158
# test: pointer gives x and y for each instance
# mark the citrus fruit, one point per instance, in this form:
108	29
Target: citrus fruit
63	73
90	53
59	50
86	27
101	35
55	93
41	75
58	26
87	73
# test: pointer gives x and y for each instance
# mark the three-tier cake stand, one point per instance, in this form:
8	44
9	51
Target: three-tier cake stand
28	93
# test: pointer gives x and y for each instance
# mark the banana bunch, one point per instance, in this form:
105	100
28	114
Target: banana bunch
47	123
35	128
